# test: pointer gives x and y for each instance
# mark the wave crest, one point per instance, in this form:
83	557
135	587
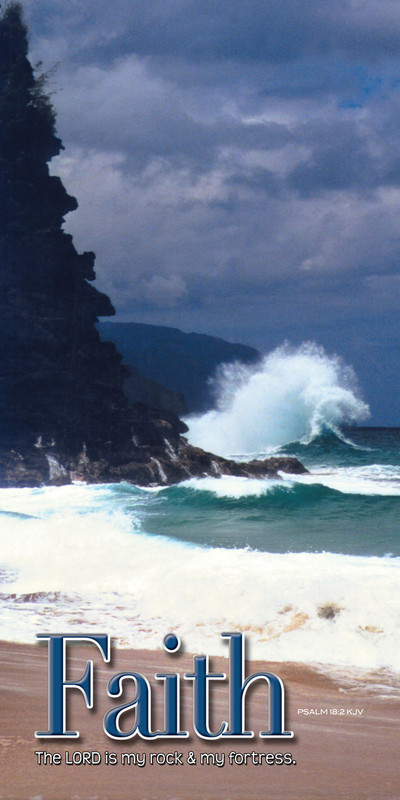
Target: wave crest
293	395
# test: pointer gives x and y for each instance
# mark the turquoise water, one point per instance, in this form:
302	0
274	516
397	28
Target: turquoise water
266	557
352	447
350	504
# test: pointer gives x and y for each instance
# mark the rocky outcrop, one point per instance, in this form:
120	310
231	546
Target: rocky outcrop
156	454
64	414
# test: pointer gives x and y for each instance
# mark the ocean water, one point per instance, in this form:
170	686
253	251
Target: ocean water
306	566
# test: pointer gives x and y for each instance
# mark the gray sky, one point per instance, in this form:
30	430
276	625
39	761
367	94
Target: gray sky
237	167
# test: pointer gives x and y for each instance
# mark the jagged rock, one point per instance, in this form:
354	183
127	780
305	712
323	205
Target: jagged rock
161	457
63	412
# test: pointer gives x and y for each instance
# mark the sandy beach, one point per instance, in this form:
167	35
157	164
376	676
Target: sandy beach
337	754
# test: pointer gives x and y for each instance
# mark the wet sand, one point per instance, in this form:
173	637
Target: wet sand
336	755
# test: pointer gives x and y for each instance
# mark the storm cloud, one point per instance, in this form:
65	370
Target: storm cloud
237	166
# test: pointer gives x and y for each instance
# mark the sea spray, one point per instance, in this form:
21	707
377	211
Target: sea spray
292	395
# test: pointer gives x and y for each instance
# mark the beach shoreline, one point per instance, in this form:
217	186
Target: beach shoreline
338	754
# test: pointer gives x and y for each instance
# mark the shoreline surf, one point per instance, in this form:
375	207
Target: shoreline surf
287	560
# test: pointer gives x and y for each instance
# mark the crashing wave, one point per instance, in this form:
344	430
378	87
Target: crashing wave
293	395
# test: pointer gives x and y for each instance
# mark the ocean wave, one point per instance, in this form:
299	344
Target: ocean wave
373	480
92	568
293	396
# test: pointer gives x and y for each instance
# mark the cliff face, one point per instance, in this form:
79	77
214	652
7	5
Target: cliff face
63	411
57	380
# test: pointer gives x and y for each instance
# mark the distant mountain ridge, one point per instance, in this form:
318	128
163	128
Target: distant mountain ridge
183	362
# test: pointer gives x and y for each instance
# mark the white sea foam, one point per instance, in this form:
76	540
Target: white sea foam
291	396
83	569
374	480
232	486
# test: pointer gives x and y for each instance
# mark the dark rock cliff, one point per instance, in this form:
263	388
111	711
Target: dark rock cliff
63	411
57	380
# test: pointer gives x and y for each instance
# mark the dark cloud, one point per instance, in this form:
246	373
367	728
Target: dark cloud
237	165
256	30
